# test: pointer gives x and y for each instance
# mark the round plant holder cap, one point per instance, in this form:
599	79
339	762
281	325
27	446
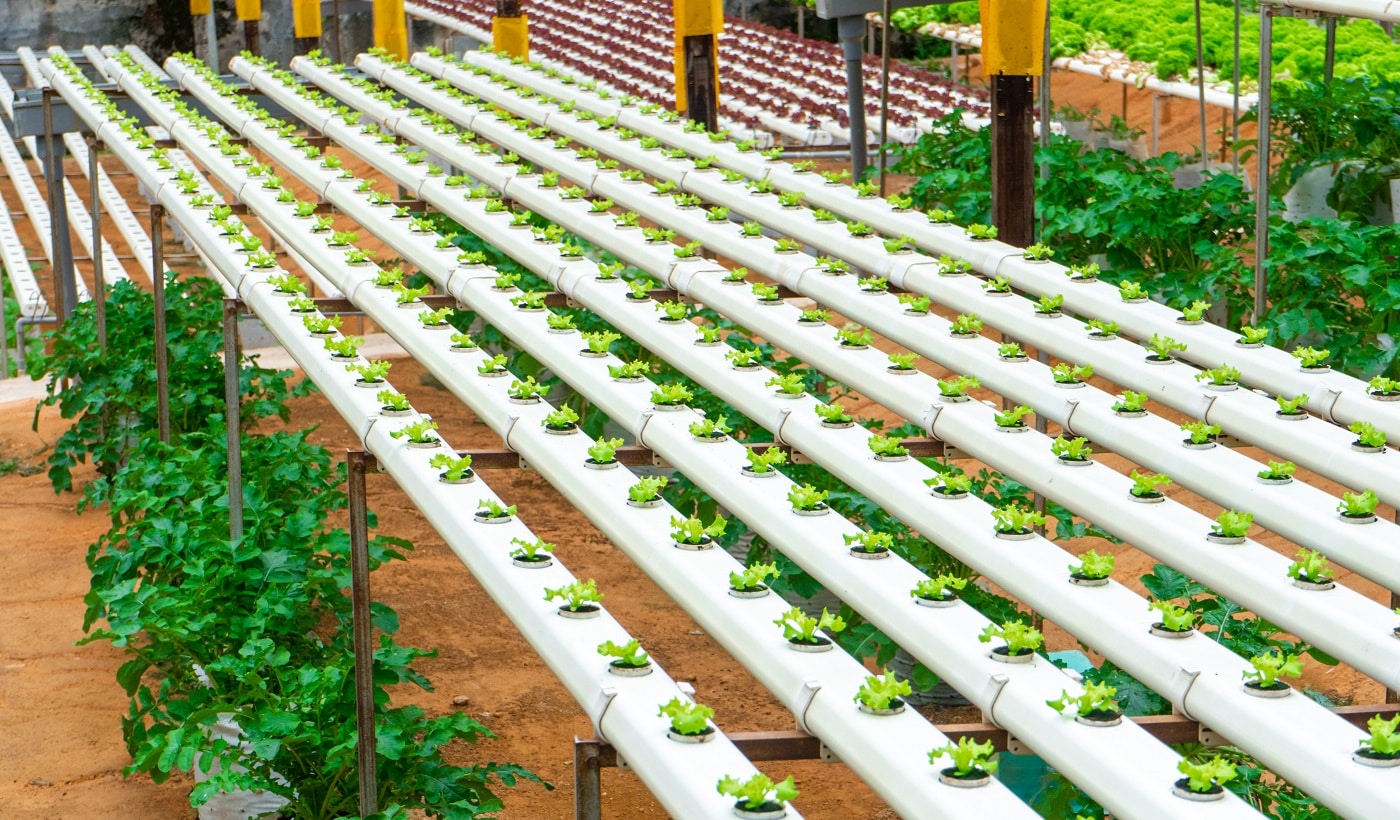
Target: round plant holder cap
529	400
1317	370
668	408
749	471
1222	388
1358	519
993	293
646	505
941	492
460	349
1365	448
1105	719
700	737
746	368
1082	581
1155	360
424	445
904	457
716	439
838	425
949	777
756	592
901	371
562	331
468	478
583	613
1070	385
589	354
1074	462
1366	757
1154	498
1191	445
1102	337
821	645
1014	359
846	346
1180	789
1054	314
866	555
491	519
526	563
955	399
708	543
1385	396
1282	416
1225	540
768	811
601	465
561	431
780	394
1130	414
896	706
936	603
1016	536
379	385
813	513
1279	689
1003	655
1015	428
1248	345
623	671
390	413
1313	586
343	359
1161	631
1275	481
493	374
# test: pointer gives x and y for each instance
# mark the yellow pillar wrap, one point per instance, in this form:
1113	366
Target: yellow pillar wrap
199	8
306	18
694	17
390	28
248	9
511	35
1013	36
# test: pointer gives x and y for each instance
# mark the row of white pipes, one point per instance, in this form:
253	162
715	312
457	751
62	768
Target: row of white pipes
889	754
1123	632
1334	396
1348	625
816	544
1300	512
623	710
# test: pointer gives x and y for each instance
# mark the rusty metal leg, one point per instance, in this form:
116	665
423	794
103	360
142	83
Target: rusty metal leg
358	461
588	781
233	419
162	360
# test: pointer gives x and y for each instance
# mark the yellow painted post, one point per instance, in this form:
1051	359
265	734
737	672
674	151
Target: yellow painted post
510	30
199	8
390	28
703	19
306	18
1013	37
248	10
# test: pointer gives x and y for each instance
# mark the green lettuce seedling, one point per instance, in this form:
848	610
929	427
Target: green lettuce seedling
1174	618
1384	740
647	488
559	321
1099	327
524	389
789	384
815	316
758	791
1039	252
1132	402
453	468
321	324
1207	775
600	341
1311	357
1367	435
807	497
1145	484
950	483
1358	505
629	655
800	627
1096	697
1093	566
887	446
787	245
1200	432
763	462
575	595
346	348
1278	470
687	717
744	357
1015	519
419	432
942	587
1083	273
1020	638
1195	311
966	324
675	311
903	361
371	372
1010	350
671	395
1311	566
832	413
1254	335
1383	386
765	292
1270	666
1232	524
853	335
915	303
392	400
1066	373
1293	406
1130	291
870	541
635	369
969	757
1222	375
562	419
717	214
710	428
1076	449
883	691
997	284
1012	417
957	386
1049	305
981	232
436	318
604	450
493	364
693	531
709	334
753	576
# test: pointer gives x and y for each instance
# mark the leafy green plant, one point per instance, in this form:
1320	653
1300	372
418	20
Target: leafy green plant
453	468
859	229
639	289
950	483
318	325
1199	432
689	250
1010	350
1014	519
418	432
758	792
1232	524
943	587
1367	435
853	335
687	717
563	418
1012	417
1039	252
526	389
1311	566
577	595
647	488
1195	311
1278	470
1076	449
899	244
436	318
1253	335
559	321
764	462
1131	402
371	372
1383	386
787	245
788	384
405	295
903	361
957	386
869	541
694	532
1384	740
966	324
393	400
883	691
1208	775
1222	376
979	232
751	229
1066	373
915	303
1270	666
344	348
1174	618
807	497
628	655
1293	406
1311	358
1358	505
604	451
887	446
1093	566
1130	291
997	284
1049	305
832	413
1145	484
799	627
710	428
970	758
1102	329
1096	699
753	576
671	395
492	364
1020	638
814	316
286	283
1083	273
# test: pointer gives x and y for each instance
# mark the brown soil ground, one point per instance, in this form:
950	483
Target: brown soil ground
60	747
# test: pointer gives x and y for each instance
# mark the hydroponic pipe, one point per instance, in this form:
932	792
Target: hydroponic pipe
1321	449
888	754
623	710
1334	396
559	354
1355	623
1158	675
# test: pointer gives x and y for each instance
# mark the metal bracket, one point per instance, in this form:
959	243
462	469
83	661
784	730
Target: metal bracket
1209	736
827	755
1016	747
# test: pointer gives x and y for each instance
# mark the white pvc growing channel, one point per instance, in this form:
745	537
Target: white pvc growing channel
444	147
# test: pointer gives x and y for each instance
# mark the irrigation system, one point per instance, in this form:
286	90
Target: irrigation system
480	138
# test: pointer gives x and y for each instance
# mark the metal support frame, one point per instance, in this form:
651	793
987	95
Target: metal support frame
99	279
233	417
339	57
849	31
158	286
1329	61
884	89
211	39
64	284
1235	94
1261	187
359	462
1200	88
